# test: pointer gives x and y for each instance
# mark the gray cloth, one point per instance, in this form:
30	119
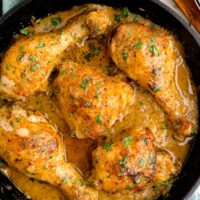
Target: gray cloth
7	4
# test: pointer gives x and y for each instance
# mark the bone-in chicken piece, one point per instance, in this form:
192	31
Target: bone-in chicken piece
31	145
28	63
129	163
90	101
152	57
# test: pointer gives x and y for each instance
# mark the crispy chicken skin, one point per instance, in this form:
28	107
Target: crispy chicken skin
129	163
31	145
151	56
91	102
28	63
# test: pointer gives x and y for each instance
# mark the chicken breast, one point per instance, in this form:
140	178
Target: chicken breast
31	145
152	57
90	101
129	163
28	63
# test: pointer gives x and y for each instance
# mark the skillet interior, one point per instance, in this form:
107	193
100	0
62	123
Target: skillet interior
21	15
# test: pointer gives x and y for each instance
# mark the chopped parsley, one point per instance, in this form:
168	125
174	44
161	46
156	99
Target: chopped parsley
84	83
98	119
7	67
96	50
153	49
82	182
34	67
164	127
128	187
89	105
23	75
152	38
123	161
21	52
137	180
125	12
136	18
107	146
96	96
88	57
161	184
156	89
23	144
40	45
139	45
141	162
97	85
24	31
156	71
71	133
194	132
145	140
56	21
66	179
31	58
118	18
127	140
125	56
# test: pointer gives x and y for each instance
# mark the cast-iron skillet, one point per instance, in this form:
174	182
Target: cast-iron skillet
20	16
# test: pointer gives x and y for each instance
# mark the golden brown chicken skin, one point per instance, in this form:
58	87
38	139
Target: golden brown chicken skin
91	102
31	145
129	163
151	56
28	63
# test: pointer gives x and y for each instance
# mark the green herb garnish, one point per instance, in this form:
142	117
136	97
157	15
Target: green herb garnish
125	56
21	52
40	45
34	67
56	21
125	12
153	49
107	146
139	45
88	57
84	83
71	133
98	119
96	50
156	89
127	140
123	161
118	18
24	31
136	18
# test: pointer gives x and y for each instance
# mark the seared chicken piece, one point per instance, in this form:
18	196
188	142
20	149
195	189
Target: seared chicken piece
31	145
152	57
130	163
28	63
91	102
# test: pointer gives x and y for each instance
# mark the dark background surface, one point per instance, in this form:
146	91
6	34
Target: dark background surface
20	16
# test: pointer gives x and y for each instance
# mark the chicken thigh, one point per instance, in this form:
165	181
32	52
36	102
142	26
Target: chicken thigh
130	163
28	63
152	57
31	145
91	102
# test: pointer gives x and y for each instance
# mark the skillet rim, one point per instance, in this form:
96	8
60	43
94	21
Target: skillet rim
181	20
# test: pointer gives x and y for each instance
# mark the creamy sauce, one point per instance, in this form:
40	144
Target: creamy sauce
144	112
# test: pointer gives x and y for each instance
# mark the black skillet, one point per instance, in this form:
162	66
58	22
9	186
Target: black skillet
159	13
